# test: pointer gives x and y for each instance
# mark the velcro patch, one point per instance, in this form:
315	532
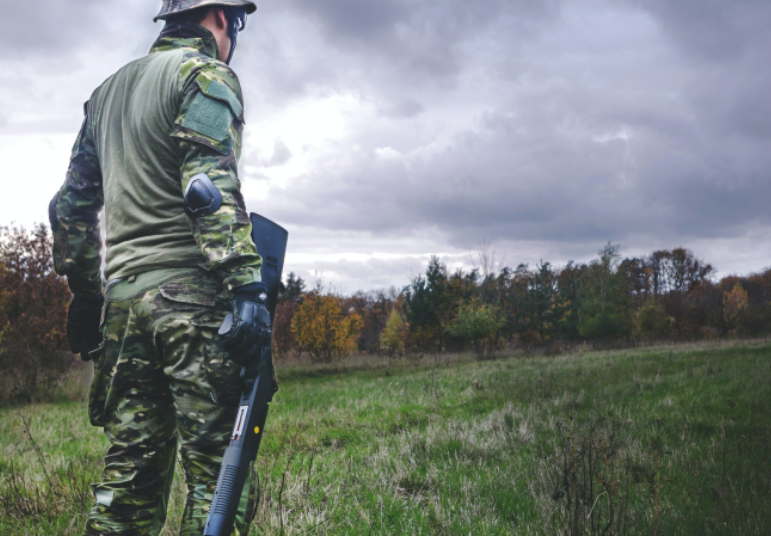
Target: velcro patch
210	117
220	91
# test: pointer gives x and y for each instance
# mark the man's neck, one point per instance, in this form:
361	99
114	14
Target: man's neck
186	35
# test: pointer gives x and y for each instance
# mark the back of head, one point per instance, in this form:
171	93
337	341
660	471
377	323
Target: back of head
197	11
176	8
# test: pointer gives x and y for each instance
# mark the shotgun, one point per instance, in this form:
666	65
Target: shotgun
259	386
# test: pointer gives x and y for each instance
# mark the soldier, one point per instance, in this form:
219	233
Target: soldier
159	149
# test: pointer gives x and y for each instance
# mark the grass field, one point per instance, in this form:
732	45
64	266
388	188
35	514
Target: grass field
663	440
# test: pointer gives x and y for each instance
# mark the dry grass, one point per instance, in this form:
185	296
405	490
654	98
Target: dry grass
659	440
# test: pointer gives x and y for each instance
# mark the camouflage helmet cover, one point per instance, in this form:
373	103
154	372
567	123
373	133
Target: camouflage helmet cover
172	7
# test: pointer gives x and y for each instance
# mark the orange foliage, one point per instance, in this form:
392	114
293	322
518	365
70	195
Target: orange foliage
734	302
321	329
33	315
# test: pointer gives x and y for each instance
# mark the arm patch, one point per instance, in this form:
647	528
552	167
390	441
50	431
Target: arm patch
210	117
220	91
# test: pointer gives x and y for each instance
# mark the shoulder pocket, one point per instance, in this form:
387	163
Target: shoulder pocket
221	92
213	110
210	117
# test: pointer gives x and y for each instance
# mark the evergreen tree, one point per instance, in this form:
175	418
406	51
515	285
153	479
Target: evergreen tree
606	308
542	307
569	283
425	298
431	302
294	288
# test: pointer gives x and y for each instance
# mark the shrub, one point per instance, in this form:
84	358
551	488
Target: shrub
476	325
651	322
604	326
34	355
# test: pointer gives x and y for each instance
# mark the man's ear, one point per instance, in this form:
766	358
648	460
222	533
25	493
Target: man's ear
221	19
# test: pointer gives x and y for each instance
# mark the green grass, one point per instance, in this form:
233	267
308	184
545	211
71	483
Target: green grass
663	440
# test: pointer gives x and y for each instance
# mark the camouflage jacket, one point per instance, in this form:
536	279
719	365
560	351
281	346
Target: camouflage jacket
150	128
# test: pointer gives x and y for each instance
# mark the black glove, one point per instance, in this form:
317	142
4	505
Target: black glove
83	324
247	331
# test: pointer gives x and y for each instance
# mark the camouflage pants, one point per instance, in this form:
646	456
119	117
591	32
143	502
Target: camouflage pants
163	382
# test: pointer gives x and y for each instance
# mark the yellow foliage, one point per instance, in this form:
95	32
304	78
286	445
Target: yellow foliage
734	302
321	329
394	333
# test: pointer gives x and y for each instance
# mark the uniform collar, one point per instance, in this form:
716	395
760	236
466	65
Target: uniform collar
186	35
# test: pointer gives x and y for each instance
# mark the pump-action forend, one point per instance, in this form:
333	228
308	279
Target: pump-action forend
259	386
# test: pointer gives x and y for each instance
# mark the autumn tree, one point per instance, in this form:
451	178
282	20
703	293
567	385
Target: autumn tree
392	340
284	342
289	301
756	318
321	329
734	302
34	354
374	309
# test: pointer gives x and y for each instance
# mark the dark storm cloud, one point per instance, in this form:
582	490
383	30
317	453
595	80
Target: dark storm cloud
563	123
391	50
592	138
719	30
421	36
727	43
501	184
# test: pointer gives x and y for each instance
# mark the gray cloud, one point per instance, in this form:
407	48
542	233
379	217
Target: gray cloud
390	51
714	31
48	25
281	154
425	36
586	143
557	125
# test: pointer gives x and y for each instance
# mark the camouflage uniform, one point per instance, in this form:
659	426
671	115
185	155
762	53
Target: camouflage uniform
162	379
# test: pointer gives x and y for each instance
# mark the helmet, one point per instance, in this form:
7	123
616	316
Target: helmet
172	7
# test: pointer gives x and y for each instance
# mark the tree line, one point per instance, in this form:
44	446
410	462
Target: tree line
667	295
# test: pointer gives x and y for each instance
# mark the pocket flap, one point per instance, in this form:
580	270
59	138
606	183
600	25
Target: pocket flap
186	291
220	91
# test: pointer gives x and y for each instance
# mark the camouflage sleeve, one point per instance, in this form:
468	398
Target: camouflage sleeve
74	215
209	127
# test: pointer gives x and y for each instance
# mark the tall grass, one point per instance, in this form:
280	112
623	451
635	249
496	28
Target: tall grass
661	440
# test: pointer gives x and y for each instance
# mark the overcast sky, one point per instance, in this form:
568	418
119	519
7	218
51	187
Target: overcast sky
382	132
